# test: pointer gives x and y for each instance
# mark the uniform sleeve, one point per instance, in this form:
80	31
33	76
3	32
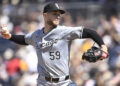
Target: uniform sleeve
88	33
29	38
71	33
19	39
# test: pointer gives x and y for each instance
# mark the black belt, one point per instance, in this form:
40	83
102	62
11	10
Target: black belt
55	79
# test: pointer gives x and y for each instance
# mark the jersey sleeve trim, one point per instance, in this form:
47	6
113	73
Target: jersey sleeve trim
81	32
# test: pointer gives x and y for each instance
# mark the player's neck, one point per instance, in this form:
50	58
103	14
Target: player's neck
48	28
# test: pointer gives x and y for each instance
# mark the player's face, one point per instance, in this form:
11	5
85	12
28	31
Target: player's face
52	18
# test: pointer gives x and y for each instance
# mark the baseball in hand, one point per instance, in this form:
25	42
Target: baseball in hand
3	29
4	32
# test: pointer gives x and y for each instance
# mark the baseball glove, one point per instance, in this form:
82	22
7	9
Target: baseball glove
94	54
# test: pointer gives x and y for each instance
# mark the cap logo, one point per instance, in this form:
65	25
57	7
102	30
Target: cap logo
57	5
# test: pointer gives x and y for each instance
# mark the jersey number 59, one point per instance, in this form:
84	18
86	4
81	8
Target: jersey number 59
54	55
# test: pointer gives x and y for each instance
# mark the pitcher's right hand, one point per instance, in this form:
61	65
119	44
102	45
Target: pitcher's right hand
4	32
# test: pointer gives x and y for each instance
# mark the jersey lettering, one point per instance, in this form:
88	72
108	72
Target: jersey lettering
49	43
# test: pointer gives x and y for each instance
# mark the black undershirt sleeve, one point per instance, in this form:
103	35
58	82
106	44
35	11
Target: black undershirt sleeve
88	33
19	39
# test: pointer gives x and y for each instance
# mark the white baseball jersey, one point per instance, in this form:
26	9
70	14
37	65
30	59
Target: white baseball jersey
53	49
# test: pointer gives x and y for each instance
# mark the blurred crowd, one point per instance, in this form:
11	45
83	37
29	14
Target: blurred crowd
18	63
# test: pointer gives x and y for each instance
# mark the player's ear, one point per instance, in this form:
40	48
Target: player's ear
44	14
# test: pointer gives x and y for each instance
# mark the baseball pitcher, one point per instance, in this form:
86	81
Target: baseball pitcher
52	44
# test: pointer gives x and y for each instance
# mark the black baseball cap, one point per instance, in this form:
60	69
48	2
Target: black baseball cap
51	7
